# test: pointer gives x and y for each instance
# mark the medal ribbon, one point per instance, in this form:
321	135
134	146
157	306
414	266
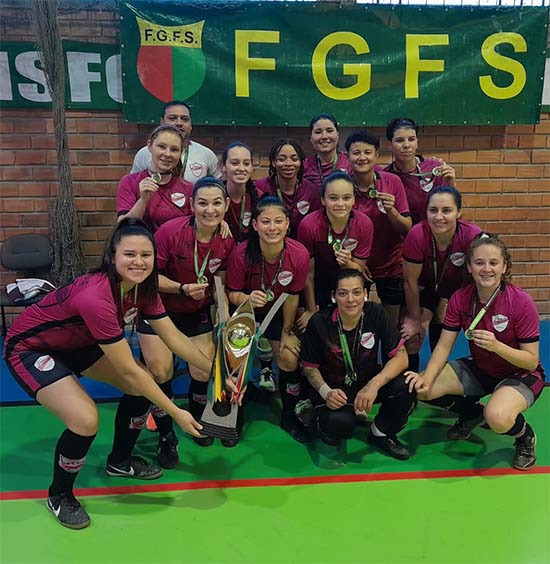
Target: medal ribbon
320	168
469	333
274	280
199	272
437	280
351	375
133	331
331	240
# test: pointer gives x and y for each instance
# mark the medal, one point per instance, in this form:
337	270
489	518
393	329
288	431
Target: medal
436	171
469	333
156	177
373	193
202	280
337	245
269	295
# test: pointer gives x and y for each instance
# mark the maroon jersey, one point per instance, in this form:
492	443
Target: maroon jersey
419	248
385	260
175	259
512	317
289	278
314	234
79	315
418	188
305	200
239	217
321	346
315	172
171	200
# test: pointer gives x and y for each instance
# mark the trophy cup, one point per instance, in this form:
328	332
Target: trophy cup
236	345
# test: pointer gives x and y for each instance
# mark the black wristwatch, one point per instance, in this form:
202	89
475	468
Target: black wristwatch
181	290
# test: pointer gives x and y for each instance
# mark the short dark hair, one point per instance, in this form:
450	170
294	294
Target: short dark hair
174	103
350	273
338	175
128	227
398	123
209	182
362	136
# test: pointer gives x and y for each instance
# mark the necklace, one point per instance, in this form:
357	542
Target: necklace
437	280
351	375
469	333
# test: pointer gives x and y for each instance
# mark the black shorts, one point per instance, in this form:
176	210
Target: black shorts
190	324
476	382
428	299
275	328
390	290
35	370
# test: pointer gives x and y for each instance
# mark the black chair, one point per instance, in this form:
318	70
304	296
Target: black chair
28	254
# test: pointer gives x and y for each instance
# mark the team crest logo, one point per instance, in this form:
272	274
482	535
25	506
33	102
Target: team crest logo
349	244
196	169
458	258
130	315
214	264
178	199
247	216
500	322
170	61
44	363
303	206
368	340
285	278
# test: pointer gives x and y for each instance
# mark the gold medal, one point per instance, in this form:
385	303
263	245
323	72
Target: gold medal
373	193
269	295
202	280
156	177
469	334
436	171
337	245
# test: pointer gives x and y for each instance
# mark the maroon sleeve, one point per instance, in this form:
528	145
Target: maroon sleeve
128	193
527	325
235	279
306	234
413	249
365	232
453	321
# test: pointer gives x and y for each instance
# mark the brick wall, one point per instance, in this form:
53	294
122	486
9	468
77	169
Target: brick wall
503	171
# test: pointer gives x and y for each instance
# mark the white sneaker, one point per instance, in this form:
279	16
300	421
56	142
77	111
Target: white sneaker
266	380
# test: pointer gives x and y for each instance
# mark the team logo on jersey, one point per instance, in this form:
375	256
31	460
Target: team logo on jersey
426	186
285	277
196	169
44	363
179	199
500	322
349	244
247	216
214	264
168	53
368	340
303	206
458	258
130	315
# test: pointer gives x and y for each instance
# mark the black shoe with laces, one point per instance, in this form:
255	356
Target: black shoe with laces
525	456
134	467
462	428
230	443
167	453
294	427
68	511
390	445
203	441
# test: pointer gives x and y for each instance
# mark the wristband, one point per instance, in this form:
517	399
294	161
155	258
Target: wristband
324	391
181	290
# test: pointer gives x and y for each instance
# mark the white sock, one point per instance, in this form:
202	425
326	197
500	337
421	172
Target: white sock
376	431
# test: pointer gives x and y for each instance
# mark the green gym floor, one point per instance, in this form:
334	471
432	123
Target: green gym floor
273	500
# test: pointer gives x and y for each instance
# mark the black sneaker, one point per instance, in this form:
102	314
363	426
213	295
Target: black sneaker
134	467
328	439
203	441
390	445
525	456
266	381
68	511
462	428
295	428
167	454
230	443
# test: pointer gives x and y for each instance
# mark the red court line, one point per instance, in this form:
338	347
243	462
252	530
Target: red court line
290	481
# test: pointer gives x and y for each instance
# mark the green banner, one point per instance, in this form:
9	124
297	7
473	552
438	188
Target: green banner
279	64
93	77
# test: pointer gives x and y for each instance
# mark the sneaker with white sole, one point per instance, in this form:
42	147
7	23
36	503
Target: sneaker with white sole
134	467
266	382
68	511
525	456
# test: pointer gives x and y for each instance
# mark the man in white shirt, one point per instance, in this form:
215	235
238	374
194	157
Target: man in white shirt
198	161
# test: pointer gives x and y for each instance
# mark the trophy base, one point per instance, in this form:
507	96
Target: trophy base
220	426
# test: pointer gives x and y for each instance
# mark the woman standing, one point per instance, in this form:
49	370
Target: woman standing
286	181
418	174
434	266
336	237
501	323
191	251
260	270
78	329
381	196
327	159
243	196
157	194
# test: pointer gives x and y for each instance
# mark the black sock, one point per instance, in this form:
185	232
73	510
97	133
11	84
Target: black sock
520	428
70	454
129	420
198	396
290	388
162	419
467	407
